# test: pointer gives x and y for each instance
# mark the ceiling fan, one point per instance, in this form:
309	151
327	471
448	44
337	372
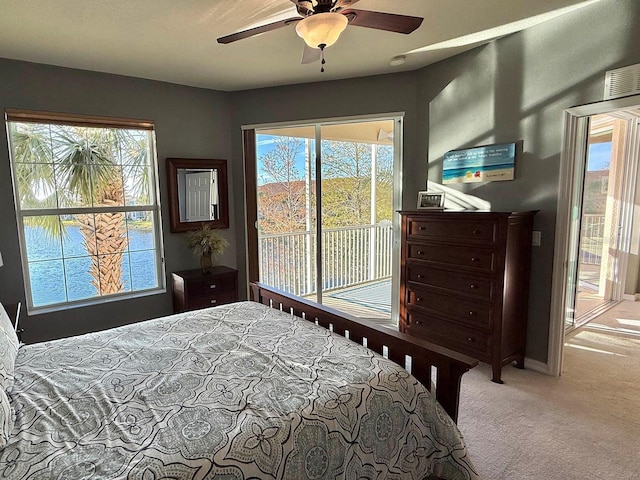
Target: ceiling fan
320	23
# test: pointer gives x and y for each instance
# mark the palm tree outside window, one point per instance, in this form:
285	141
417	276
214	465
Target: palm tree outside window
87	209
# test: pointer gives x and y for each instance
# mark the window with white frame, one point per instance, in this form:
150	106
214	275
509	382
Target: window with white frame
87	208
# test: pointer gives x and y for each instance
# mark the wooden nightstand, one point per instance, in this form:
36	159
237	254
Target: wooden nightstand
193	289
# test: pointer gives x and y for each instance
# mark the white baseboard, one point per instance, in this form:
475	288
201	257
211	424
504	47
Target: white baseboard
632	297
537	366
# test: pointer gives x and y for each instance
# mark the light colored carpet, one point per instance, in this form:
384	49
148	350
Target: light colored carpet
583	425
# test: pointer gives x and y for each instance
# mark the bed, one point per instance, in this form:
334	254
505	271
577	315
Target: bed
239	391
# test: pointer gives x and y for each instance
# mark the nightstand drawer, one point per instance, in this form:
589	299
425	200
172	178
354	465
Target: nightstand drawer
442	332
212	300
465	231
214	284
476	314
471	257
453	281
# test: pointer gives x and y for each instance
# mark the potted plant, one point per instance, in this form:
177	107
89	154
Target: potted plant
206	243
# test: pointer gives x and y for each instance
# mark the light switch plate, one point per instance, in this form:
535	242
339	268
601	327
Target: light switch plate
536	237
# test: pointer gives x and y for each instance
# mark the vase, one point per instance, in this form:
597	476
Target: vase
205	262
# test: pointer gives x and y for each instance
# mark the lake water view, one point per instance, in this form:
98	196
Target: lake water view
55	279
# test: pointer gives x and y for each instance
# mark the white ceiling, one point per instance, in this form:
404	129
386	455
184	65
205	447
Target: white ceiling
175	40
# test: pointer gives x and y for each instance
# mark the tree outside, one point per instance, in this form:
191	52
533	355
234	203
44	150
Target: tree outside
72	167
346	185
282	188
283	208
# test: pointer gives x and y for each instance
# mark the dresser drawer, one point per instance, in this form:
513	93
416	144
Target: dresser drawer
456	282
471	257
460	230
475	314
212	285
447	334
211	300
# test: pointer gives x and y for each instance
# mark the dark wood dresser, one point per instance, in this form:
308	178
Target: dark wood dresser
193	289
465	282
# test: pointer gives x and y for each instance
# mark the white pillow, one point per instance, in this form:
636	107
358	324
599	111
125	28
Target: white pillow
8	350
6	419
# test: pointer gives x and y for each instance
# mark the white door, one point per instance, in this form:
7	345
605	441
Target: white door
198	196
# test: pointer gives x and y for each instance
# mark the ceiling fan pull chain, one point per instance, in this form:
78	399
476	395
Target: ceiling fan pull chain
322	45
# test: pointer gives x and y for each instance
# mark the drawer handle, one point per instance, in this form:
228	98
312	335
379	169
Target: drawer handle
214	301
420	252
472	313
477	232
473	286
420	275
422	228
418	299
471	339
418	322
212	286
475	259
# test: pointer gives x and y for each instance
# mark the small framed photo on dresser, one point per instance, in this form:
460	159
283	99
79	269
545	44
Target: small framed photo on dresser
431	200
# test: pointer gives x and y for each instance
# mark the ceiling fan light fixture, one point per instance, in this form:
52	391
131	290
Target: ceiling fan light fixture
321	28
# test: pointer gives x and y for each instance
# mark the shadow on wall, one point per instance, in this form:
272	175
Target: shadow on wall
457	200
516	90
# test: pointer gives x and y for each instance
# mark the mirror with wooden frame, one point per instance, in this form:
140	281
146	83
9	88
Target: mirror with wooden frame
197	193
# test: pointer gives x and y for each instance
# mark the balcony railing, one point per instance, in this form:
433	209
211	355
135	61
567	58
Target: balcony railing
351	256
591	239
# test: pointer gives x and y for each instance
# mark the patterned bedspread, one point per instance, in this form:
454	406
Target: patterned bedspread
238	391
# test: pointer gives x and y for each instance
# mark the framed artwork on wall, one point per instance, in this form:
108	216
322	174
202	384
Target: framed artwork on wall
490	163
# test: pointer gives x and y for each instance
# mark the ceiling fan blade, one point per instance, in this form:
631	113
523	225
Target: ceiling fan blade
390	22
257	30
310	55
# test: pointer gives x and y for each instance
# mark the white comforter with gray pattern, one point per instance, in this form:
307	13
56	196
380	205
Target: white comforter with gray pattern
238	391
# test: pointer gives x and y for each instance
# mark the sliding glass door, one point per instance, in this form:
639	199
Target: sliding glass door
286	223
600	216
599	226
324	196
356	217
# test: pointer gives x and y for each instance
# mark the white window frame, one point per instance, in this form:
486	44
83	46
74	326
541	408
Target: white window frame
48	118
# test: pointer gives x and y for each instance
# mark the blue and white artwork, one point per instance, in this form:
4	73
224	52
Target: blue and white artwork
480	164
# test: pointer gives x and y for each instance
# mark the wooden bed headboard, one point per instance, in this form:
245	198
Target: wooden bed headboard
424	356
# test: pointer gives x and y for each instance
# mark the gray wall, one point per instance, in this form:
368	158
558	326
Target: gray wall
514	89
190	123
